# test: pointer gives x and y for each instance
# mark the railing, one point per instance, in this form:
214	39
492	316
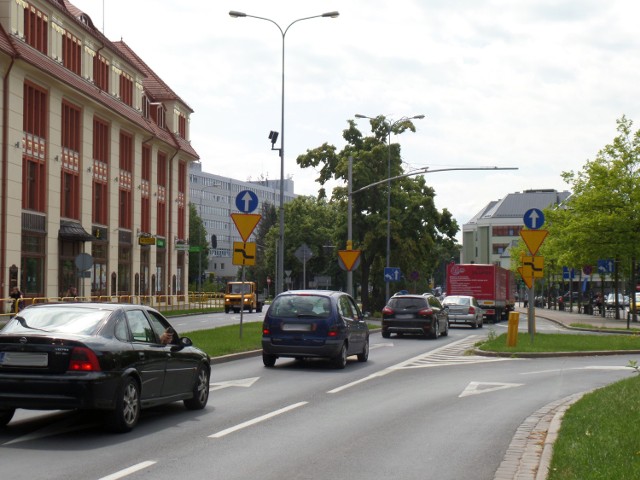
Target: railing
162	303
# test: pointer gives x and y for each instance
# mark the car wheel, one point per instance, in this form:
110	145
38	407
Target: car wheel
481	322
226	309
6	414
386	334
250	309
474	324
446	329
364	355
268	360
436	330
127	412
200	390
340	360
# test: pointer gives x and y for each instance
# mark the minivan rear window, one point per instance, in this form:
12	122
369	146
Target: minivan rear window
301	306
407	302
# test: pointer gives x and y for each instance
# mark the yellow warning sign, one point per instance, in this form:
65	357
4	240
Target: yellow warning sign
245	223
244	253
533	266
349	258
527	276
533	239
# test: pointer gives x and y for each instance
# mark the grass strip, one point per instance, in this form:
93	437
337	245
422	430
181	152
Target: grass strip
598	438
556	342
226	340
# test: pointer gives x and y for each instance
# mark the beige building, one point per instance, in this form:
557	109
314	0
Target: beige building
486	238
95	159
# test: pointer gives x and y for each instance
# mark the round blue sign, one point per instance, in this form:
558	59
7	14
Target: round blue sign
533	218
246	201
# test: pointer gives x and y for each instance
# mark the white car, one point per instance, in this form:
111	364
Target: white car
464	309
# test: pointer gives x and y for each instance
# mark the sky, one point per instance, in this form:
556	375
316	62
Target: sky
535	85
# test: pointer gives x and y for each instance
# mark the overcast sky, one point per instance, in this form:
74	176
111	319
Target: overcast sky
532	84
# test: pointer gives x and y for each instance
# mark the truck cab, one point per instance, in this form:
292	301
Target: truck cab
242	295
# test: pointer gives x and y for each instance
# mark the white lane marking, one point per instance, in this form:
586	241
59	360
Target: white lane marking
411	363
244	382
474	388
263	418
591	367
380	345
129	470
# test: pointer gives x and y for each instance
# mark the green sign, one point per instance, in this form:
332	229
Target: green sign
194	249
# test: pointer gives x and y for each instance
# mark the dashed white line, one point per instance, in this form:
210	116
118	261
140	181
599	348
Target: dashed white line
249	423
129	470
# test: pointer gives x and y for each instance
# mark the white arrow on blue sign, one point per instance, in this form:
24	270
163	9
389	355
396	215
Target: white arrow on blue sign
392	274
246	201
533	218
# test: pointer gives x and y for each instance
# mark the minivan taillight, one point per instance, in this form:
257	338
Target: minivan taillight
387	311
83	360
425	312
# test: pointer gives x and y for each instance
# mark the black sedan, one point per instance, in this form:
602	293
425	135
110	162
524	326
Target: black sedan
111	357
415	314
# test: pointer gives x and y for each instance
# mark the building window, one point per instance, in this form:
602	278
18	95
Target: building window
182	126
145	200
34	148
101	72
182	188
71	53
100	171
161	227
126	89
499	248
506	230
70	176
124	270
126	171
158	114
32	265
99	273
35	28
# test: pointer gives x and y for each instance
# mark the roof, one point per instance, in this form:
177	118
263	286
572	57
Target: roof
73	231
514	205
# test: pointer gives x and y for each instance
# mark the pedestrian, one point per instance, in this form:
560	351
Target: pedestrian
18	300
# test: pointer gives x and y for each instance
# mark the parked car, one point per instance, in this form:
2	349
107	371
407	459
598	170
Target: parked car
464	309
415	314
610	301
110	357
314	323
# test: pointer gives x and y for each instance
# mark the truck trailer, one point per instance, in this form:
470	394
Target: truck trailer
492	285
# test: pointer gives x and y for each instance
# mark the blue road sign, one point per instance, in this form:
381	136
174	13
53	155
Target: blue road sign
568	274
533	218
246	201
392	274
605	266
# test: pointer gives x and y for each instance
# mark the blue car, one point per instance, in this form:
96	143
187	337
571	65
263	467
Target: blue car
314	324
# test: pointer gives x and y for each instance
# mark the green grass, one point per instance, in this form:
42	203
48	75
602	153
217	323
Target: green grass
598	438
226	340
544	342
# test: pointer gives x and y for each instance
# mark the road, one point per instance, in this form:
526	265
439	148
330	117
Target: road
419	409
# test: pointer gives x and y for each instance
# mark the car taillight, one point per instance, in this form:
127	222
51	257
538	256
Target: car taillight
83	360
425	312
472	310
266	331
333	332
387	311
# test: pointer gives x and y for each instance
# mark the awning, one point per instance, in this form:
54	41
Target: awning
74	232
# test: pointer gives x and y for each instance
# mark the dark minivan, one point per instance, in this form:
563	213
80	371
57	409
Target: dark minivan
314	324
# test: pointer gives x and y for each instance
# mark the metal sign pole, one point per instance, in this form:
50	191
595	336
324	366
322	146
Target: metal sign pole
531	312
242	301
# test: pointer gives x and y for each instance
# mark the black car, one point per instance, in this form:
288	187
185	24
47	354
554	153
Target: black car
96	356
314	323
415	314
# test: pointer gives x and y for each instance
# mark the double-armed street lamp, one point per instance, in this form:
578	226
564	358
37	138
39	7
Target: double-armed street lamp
390	125
273	136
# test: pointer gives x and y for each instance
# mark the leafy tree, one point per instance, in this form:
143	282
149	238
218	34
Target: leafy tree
416	226
198	262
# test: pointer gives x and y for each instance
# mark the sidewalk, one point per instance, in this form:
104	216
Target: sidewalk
567	318
529	454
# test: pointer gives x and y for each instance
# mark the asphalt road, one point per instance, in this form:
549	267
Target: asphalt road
419	409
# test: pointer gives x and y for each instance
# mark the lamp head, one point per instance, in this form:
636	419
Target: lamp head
419	117
331	14
235	14
361	116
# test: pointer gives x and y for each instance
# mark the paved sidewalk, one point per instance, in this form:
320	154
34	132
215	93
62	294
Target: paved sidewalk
529	454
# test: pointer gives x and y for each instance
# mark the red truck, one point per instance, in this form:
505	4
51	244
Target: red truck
493	286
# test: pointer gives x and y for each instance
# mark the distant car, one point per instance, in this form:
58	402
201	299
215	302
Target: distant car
415	314
464	309
97	356
314	324
610	301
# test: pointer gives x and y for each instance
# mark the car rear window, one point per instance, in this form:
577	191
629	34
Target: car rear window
77	320
407	302
457	301
301	305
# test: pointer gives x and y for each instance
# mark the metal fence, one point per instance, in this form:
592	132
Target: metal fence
163	303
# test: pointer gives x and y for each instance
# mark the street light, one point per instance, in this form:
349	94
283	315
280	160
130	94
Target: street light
280	255
390	126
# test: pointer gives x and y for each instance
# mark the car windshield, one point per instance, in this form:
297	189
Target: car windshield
301	306
77	320
407	303
457	301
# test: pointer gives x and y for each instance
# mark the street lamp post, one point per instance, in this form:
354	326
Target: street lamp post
390	126
280	253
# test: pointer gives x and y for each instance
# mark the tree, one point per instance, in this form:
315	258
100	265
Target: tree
198	262
416	225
